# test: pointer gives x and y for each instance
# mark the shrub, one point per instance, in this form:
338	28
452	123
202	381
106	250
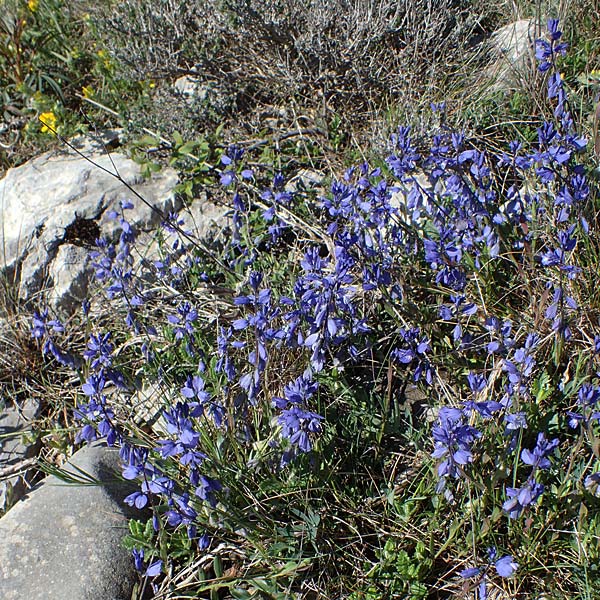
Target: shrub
334	55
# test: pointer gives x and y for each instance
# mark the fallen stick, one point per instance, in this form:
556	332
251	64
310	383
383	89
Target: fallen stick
21	466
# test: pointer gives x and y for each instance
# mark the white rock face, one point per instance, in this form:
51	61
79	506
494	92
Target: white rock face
305	180
204	219
41	200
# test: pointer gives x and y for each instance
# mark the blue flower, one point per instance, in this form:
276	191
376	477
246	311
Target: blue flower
207	489
470	572
538	457
99	352
154	569
180	513
138	558
204	541
521	498
42	325
452	439
194	388
506	566
592	484
137	499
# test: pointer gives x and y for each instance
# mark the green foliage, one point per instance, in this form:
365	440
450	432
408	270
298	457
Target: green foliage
398	574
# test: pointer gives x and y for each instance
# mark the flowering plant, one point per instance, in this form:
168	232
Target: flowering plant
451	270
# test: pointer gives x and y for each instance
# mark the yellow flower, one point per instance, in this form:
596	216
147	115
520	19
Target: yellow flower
87	91
33	5
48	120
103	54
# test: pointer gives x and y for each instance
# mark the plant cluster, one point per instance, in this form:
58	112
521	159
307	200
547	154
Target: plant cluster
52	64
283	447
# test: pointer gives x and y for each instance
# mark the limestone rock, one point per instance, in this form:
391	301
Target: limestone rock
305	180
148	405
188	87
202	95
204	219
42	201
63	541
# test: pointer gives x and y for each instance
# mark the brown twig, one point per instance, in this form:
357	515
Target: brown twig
20	467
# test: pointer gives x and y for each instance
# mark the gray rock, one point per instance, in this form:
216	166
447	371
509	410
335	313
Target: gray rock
305	180
202	220
103	140
205	219
42	200
417	184
201	93
34	268
188	87
512	47
148	405
15	453
63	541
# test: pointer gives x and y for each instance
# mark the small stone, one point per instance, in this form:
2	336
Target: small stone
204	219
188	87
149	404
305	180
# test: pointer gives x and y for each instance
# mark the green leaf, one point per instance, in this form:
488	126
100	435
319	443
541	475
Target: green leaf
187	148
178	139
263	585
146	141
136	528
218	566
292	567
240	594
149	530
418	591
